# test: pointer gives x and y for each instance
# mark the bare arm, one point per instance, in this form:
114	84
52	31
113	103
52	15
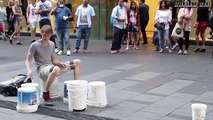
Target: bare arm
56	62
27	13
15	13
28	63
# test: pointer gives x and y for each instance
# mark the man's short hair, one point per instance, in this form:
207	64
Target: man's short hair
46	29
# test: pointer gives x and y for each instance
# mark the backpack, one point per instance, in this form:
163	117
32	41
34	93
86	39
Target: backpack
10	87
112	19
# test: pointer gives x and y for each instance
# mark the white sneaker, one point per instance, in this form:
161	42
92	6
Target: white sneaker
60	52
174	46
180	52
185	52
127	48
68	53
170	51
56	50
161	51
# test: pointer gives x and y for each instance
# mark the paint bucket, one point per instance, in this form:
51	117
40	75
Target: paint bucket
65	98
27	101
77	95
97	94
198	111
35	85
54	88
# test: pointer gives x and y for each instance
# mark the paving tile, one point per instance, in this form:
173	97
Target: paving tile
51	118
128	66
182	95
147	98
191	76
144	76
170	118
121	110
207	78
197	88
206	97
100	74
26	116
170	87
121	84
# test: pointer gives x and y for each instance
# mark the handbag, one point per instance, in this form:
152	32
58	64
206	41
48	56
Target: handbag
177	31
160	26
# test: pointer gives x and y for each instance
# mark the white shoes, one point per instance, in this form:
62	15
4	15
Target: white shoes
68	53
180	52
185	52
60	52
170	51
56	50
174	46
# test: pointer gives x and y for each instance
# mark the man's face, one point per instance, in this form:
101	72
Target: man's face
86	2
46	35
121	3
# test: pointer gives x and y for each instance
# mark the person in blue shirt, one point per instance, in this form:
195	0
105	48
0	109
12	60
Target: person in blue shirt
62	16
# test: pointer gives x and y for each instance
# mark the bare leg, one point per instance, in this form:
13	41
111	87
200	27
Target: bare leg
197	38
135	41
76	70
202	34
52	77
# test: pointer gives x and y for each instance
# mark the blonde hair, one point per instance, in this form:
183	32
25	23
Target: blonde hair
11	3
47	29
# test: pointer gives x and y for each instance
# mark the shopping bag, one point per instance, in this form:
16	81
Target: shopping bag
177	31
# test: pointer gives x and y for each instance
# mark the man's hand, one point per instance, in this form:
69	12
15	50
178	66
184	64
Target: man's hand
62	65
29	74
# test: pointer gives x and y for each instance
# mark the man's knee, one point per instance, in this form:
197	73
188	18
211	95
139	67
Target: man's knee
56	70
76	63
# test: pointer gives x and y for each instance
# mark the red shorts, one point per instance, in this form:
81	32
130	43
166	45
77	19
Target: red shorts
202	25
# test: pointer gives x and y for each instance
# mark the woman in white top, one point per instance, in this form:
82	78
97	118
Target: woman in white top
32	18
2	19
163	18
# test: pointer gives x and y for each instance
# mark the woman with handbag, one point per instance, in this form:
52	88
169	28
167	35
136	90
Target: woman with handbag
201	25
184	19
163	18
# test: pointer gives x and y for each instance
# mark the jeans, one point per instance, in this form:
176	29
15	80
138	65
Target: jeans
83	32
117	38
63	34
164	34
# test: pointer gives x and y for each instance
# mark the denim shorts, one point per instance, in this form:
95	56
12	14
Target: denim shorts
33	24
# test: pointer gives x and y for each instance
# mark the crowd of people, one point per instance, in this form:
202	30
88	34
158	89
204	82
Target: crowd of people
130	20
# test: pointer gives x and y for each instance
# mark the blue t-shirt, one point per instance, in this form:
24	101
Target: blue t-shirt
60	23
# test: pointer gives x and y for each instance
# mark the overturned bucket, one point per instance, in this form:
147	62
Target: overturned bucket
77	95
198	111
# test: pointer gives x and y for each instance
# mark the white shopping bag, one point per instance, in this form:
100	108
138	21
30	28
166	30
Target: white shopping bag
177	31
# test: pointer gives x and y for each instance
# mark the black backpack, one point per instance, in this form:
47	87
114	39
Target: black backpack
10	87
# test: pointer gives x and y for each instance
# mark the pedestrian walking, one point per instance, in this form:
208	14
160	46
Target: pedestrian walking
17	16
32	19
120	15
84	16
48	67
62	16
10	20
2	19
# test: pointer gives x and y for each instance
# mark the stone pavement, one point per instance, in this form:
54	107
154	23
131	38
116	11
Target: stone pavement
141	85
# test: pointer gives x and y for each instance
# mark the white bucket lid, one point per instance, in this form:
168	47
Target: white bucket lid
198	106
26	89
29	85
97	83
76	82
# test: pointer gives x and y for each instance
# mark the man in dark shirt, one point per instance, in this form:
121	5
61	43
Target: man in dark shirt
144	19
174	21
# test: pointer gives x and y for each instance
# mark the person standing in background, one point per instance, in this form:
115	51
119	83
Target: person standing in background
62	16
17	19
10	20
144	19
201	25
44	7
119	13
85	15
32	18
24	5
3	19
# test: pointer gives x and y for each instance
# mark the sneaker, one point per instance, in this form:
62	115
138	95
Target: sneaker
113	51
56	50
68	53
47	100
11	41
180	52
185	52
60	52
127	48
161	51
170	51
203	50
84	51
197	50
156	48
75	51
174	46
19	43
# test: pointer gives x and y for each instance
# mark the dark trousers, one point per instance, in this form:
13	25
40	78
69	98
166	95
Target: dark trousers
143	30
180	41
117	38
47	22
11	28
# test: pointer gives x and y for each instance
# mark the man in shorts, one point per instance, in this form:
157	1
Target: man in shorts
48	67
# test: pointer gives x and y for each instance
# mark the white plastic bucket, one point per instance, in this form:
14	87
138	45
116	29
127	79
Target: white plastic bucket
54	88
97	94
77	95
35	85
65	98
198	111
27	101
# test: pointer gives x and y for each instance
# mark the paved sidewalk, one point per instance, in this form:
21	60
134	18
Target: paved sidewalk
141	84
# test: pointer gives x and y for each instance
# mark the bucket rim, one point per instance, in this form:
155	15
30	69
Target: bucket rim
199	105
